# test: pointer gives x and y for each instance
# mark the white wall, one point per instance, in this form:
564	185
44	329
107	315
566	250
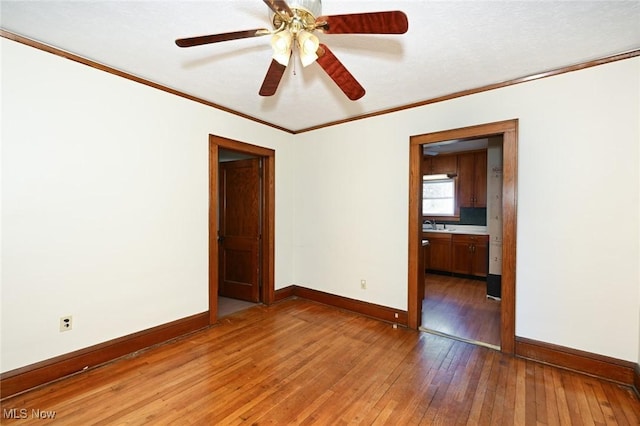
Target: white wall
105	204
578	204
105	195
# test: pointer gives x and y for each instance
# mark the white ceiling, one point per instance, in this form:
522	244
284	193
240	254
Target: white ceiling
451	46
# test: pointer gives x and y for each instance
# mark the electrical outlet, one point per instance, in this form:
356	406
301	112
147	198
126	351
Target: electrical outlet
66	323
363	284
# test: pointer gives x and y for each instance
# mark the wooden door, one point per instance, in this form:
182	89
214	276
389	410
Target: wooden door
239	230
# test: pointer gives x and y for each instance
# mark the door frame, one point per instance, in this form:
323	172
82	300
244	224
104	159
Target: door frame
267	243
509	131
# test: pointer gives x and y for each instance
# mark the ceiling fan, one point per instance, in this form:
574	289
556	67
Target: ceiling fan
294	24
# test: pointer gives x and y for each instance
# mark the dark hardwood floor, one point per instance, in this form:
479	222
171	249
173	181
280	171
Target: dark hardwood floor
299	362
459	307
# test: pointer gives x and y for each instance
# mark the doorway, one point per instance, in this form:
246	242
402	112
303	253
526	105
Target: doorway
507	130
241	249
462	239
239	226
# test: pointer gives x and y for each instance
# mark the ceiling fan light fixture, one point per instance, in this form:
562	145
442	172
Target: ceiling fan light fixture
281	44
307	47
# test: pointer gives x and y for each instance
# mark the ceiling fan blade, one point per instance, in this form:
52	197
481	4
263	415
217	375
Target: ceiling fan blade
272	79
338	73
215	38
393	22
279	7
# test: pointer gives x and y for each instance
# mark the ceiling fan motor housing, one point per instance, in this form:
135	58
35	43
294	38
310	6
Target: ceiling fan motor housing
305	13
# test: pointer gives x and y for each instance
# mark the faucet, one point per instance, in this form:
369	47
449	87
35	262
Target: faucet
431	223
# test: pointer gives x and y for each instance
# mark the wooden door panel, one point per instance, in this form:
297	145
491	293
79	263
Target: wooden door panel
241	202
238	269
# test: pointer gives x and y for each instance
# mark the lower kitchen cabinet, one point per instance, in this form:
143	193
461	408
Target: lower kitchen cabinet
470	254
438	255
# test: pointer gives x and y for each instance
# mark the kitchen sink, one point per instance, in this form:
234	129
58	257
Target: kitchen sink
460	229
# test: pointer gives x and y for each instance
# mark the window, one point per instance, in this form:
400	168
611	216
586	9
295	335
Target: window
438	196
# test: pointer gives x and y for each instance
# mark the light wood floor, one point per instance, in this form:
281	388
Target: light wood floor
459	307
299	362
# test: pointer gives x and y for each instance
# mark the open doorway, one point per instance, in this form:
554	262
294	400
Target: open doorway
507	131
239	231
241	226
461	214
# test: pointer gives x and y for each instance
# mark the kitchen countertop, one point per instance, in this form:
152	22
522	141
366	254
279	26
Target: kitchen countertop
459	229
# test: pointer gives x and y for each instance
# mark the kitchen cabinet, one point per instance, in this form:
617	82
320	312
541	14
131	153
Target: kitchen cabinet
439	251
470	254
472	179
439	164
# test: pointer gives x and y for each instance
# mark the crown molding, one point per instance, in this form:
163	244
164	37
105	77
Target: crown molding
102	67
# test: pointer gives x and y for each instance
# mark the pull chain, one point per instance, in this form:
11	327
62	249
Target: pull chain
294	64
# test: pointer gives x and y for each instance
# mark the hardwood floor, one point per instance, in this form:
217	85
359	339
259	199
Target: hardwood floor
299	362
459	307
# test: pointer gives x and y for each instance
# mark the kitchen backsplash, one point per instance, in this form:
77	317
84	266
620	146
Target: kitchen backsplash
473	216
470	216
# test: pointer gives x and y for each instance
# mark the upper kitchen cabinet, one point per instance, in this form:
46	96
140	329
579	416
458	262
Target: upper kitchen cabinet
439	164
472	179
